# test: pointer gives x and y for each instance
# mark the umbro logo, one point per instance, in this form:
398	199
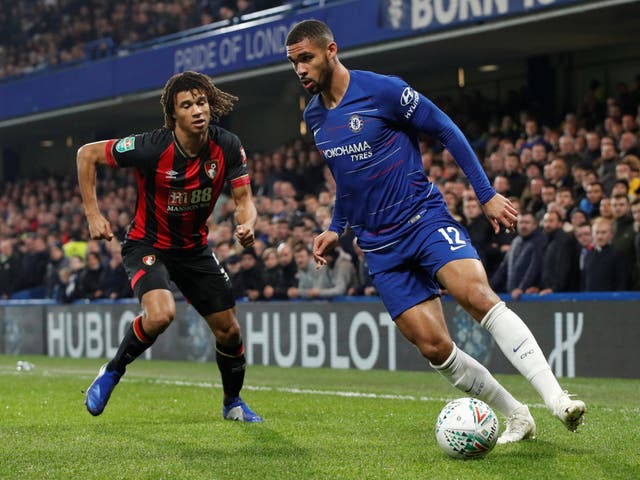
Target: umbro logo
171	174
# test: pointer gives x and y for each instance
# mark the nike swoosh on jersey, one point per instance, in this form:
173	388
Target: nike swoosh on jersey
457	247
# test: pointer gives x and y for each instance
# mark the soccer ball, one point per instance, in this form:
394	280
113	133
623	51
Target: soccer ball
467	428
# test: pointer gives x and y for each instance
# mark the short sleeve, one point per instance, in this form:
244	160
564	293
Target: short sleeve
136	150
236	160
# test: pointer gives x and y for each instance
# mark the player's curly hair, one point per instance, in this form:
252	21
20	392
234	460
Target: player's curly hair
221	103
315	30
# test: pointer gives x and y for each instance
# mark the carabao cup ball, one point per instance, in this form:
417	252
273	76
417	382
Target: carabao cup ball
467	428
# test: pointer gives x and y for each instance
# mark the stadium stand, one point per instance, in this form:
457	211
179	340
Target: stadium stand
37	36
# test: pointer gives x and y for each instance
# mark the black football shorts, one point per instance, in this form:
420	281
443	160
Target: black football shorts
199	276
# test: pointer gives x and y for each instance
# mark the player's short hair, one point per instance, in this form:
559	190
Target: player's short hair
221	103
315	30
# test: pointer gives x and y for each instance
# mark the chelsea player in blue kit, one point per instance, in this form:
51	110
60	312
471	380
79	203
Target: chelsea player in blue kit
366	127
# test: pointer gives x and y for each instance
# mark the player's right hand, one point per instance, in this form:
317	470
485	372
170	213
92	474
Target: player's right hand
321	244
99	227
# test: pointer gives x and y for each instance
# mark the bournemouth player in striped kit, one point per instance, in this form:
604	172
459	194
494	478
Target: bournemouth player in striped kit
180	171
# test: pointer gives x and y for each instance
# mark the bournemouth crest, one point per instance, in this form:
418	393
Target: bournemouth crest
149	260
211	168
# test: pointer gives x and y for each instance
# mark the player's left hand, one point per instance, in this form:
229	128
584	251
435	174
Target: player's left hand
245	235
499	210
321	244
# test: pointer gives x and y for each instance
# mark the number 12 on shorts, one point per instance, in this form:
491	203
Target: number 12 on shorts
456	242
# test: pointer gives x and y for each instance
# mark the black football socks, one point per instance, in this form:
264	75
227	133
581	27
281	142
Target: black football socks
232	363
134	343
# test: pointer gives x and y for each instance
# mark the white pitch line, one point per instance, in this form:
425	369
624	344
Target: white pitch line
139	378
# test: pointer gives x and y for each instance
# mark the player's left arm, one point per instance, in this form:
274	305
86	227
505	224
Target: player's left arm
245	214
428	118
238	176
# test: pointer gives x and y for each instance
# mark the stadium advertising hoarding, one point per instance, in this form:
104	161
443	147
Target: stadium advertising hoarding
355	335
21	330
428	15
246	46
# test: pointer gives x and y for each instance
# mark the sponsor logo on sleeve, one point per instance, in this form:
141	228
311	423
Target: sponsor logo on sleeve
126	144
409	98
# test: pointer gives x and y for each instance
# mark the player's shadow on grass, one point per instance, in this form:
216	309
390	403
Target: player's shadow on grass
264	441
538	449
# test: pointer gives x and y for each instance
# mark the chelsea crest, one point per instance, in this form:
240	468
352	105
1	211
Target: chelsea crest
355	123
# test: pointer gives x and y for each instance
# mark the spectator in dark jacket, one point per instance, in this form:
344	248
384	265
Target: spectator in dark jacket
624	234
273	278
635	212
519	271
478	226
559	266
57	261
34	262
591	203
288	266
10	269
513	172
89	281
114	283
251	275
604	268
70	286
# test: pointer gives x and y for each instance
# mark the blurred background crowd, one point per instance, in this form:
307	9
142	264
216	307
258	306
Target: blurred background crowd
576	183
41	34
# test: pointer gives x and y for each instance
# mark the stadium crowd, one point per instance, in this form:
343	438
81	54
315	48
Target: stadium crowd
36	35
577	187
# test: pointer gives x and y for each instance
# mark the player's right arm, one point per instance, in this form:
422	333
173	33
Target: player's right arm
327	240
87	159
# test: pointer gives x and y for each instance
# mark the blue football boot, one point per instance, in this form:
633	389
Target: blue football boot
239	411
100	390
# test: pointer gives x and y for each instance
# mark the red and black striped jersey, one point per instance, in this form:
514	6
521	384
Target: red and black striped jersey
177	193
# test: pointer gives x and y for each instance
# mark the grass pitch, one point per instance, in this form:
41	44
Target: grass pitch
164	422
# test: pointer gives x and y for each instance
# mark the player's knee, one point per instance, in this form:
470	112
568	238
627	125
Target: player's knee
225	327
228	334
478	299
159	319
436	350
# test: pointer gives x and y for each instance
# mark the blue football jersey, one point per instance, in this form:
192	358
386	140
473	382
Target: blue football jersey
370	143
